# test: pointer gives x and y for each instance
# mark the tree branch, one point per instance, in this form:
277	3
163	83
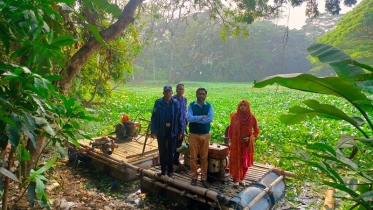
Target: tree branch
77	61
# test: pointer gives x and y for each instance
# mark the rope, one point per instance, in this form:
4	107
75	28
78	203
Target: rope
140	171
205	193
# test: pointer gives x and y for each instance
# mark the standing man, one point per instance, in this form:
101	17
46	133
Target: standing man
183	109
166	125
200	115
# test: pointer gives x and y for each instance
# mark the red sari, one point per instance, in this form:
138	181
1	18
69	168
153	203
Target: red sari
243	124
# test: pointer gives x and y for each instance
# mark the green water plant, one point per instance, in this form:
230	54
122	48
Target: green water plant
344	164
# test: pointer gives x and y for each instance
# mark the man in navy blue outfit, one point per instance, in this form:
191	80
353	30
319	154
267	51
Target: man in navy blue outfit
183	109
166	125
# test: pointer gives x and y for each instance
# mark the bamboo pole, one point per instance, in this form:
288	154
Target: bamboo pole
172	189
261	194
283	173
329	198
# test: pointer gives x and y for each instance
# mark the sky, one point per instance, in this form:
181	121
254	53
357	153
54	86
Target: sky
297	15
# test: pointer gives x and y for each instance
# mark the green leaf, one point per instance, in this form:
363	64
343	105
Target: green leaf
341	187
21	51
353	183
66	40
43	123
24	155
40	187
336	59
367	196
31	195
75	124
29	134
45	46
359	121
90	118
5	37
39	103
345	141
361	65
41	170
327	85
317	109
9	174
67	126
323	147
97	35
346	160
334	173
66	1
3	140
11	76
107	7
14	132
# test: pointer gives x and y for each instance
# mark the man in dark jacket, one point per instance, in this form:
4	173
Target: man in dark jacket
166	126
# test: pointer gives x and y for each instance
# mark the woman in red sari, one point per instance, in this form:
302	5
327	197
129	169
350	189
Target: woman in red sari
242	131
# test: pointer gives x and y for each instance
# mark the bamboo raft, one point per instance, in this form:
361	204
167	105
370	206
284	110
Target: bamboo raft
138	158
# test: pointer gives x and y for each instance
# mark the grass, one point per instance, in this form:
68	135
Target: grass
275	140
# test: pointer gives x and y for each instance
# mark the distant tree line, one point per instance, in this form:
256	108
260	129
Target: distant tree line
198	51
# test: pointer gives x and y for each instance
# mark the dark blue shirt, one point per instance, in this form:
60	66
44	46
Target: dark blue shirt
168	112
161	111
183	109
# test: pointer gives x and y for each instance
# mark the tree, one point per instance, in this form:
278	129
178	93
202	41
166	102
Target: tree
246	12
354	33
199	53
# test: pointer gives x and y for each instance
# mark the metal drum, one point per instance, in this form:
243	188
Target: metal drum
278	190
273	192
241	200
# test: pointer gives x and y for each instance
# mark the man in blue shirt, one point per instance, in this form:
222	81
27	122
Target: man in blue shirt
166	125
200	116
183	109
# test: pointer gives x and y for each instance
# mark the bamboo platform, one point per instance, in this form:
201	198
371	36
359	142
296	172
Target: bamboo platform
134	160
129	150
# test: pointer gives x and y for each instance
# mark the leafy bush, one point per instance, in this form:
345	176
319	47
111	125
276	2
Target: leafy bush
340	170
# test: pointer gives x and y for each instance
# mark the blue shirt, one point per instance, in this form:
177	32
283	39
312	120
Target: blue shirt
199	119
183	110
183	105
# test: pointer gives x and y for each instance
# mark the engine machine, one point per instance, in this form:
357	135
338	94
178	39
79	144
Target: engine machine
218	161
126	130
106	145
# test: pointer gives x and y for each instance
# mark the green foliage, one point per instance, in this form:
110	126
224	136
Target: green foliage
353	33
333	161
31	105
36	182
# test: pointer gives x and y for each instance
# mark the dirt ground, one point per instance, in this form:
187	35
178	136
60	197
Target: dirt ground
81	187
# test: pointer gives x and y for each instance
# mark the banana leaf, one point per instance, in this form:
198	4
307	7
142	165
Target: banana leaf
327	85
343	65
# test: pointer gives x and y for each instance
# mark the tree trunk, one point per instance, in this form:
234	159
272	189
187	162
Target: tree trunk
34	155
77	61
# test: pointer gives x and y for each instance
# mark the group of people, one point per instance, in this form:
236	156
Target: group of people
172	114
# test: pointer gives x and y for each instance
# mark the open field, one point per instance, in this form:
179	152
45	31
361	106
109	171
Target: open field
275	140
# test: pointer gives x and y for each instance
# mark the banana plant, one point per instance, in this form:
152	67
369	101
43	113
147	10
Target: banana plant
354	81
